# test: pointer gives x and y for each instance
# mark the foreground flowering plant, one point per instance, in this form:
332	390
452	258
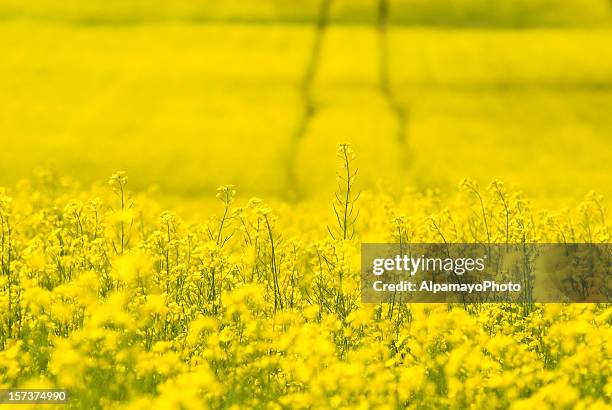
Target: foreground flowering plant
126	306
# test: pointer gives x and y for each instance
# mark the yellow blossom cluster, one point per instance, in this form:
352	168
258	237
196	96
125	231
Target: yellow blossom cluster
129	307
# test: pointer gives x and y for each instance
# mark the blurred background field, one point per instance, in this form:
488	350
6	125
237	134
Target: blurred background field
516	13
188	95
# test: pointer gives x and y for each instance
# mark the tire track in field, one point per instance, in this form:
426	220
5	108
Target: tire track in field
401	114
308	105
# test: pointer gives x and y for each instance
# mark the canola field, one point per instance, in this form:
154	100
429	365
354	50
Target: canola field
85	100
185	187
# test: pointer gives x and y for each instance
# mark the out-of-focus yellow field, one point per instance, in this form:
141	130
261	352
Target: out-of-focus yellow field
246	294
190	106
